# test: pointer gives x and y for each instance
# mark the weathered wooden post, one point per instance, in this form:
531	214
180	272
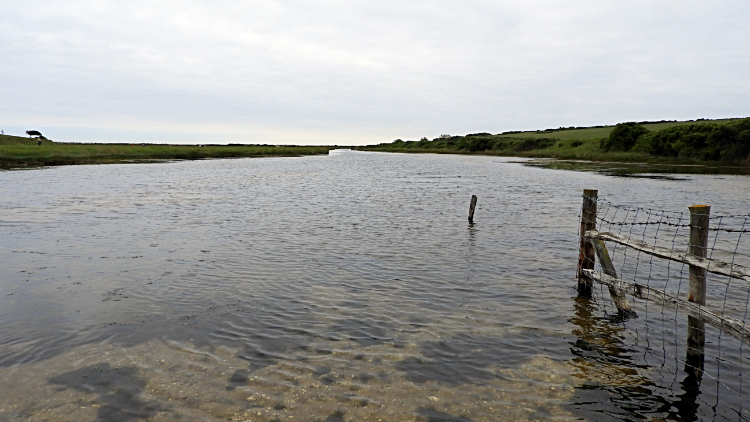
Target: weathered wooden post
472	205
623	306
586	252
697	328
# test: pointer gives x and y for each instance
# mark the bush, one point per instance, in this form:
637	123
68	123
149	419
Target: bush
623	137
478	144
528	144
708	142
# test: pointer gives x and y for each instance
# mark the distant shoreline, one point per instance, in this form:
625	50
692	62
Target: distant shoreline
686	143
615	158
20	152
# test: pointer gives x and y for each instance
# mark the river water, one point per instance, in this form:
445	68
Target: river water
334	288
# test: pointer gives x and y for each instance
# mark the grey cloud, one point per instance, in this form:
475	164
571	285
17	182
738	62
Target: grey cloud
310	71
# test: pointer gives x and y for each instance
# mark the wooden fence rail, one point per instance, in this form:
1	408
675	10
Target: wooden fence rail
712	266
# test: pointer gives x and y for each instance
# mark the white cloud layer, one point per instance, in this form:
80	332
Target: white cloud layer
312	72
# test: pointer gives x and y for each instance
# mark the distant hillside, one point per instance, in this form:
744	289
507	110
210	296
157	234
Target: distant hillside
20	140
724	141
598	132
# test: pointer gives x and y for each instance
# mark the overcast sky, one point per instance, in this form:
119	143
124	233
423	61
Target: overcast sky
362	72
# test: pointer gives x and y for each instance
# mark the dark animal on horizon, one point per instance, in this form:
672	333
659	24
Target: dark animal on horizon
33	133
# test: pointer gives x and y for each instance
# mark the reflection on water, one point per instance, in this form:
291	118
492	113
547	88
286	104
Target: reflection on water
640	170
346	287
608	368
622	378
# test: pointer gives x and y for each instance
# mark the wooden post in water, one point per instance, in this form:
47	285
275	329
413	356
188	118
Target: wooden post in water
697	294
623	306
586	252
472	205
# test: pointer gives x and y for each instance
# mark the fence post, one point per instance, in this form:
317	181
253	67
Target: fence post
472	205
623	306
586	253
696	328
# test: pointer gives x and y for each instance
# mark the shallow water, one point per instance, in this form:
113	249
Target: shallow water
340	287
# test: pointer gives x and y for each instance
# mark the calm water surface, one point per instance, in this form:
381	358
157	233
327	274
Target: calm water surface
341	287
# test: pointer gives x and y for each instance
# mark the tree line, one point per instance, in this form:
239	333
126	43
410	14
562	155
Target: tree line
474	143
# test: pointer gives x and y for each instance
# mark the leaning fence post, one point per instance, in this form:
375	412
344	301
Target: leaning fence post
586	252
623	306
696	328
472	205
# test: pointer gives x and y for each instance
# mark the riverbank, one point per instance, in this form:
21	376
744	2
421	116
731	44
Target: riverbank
723	142
567	153
24	152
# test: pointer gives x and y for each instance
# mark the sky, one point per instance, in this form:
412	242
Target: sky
363	72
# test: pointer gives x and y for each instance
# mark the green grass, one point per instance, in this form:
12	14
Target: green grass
603	132
17	151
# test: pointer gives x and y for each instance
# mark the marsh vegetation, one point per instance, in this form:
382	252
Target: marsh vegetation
19	151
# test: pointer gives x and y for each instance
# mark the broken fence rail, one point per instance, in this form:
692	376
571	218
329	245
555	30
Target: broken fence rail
731	326
710	265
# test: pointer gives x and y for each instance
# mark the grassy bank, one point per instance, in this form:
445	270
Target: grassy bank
18	151
716	142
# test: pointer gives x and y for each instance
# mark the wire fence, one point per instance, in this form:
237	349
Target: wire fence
646	267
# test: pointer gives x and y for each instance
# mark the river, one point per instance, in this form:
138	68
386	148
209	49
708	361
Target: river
345	287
